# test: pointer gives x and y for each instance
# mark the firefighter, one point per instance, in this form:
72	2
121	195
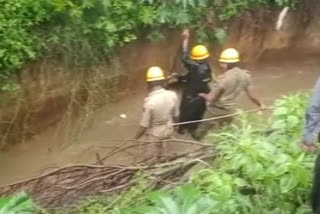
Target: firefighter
195	81
160	111
224	94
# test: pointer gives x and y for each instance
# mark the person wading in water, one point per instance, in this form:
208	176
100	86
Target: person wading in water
195	81
160	111
224	94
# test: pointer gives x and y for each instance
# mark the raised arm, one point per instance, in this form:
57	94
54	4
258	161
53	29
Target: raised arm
185	53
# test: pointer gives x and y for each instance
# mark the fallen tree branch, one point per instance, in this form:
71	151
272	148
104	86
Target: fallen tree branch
141	143
66	185
115	188
170	140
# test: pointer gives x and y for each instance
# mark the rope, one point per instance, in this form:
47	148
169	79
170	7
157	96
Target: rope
219	117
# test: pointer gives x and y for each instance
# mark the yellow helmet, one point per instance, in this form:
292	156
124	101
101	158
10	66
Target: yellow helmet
199	52
229	55
155	74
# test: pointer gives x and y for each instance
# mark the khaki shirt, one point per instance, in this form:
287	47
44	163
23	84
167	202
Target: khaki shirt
233	82
159	109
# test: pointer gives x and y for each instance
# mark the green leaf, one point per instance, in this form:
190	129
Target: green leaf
287	183
169	205
188	194
293	120
182	17
279	125
18	204
281	111
4	201
240	182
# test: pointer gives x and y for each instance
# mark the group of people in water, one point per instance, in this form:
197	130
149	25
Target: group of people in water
203	96
207	97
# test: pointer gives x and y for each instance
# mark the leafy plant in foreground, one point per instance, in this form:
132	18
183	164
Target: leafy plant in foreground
271	168
255	173
288	115
18	204
184	200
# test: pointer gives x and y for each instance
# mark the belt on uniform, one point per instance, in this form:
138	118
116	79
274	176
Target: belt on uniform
192	99
159	124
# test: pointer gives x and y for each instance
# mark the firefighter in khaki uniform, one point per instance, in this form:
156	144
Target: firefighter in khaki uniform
224	94
160	110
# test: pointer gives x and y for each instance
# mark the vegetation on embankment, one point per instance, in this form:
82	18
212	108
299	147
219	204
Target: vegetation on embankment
85	32
260	169
59	59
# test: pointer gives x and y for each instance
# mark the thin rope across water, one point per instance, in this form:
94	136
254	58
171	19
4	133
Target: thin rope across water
219	117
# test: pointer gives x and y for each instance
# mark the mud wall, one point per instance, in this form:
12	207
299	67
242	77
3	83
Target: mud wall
53	91
254	32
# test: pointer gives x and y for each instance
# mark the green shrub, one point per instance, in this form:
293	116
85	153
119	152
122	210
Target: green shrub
86	32
18	204
256	172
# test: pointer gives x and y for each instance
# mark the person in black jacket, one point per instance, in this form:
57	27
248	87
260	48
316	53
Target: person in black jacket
195	81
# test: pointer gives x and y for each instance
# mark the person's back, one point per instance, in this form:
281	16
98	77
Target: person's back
196	81
224	94
162	107
163	104
160	110
233	83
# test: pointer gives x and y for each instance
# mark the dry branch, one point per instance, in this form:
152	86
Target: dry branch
64	186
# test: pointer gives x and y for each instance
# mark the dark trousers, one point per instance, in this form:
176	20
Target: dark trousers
191	108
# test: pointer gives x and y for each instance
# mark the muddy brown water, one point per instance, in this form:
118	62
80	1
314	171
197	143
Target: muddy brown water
273	77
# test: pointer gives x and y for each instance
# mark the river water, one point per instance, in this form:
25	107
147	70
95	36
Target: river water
273	77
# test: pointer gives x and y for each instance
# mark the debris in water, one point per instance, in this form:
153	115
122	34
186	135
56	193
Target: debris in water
124	116
281	17
110	122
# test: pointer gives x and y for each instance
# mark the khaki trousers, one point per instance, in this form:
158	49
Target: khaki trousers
212	112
